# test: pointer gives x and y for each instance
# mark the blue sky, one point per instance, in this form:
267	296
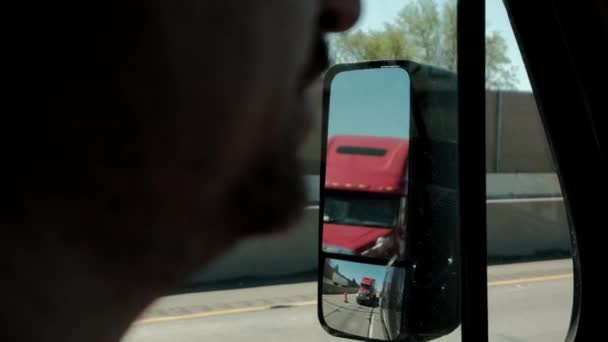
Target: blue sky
358	108
358	270
376	12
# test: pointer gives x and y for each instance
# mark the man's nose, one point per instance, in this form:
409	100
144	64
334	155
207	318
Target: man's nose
339	15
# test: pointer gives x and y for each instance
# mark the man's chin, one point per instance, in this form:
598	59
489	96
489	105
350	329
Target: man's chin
268	198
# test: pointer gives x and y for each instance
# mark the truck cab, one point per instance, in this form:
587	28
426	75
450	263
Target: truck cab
366	295
365	193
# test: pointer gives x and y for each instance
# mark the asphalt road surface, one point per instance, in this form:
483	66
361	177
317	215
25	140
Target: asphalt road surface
527	302
353	318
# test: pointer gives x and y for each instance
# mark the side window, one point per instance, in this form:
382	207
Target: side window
530	289
530	284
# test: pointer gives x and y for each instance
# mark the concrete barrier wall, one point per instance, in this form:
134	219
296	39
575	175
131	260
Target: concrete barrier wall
518	230
294	251
529	229
334	289
515	136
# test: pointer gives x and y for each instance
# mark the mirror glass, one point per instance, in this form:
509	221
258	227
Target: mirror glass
362	299
367	113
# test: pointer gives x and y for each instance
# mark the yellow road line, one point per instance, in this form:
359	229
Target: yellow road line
220	312
314	302
529	280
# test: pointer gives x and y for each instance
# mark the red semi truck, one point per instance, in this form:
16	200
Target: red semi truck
366	295
365	194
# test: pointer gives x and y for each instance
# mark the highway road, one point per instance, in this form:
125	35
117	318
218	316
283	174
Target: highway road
527	302
353	318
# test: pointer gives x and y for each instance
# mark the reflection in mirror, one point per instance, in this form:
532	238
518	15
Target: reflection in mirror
361	299
368	130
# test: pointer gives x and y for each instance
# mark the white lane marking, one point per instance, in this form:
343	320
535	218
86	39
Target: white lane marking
370	332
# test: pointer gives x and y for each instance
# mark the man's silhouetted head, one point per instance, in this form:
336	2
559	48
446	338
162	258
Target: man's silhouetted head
149	136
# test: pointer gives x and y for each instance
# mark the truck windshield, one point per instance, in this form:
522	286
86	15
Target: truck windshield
350	208
367	287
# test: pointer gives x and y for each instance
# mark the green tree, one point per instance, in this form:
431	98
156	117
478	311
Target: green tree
426	33
500	74
388	43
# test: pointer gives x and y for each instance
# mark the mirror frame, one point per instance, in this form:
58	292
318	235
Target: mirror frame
329	76
430	148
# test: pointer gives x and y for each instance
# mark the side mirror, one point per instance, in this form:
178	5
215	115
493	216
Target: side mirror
390	243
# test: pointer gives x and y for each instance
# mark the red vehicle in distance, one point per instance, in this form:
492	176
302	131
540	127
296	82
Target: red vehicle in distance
366	295
365	190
